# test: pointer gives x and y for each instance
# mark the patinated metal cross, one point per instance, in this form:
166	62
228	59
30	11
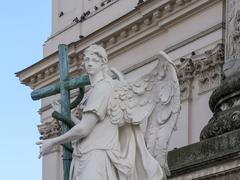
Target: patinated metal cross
64	86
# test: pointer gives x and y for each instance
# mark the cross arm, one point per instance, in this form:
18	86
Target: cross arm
72	83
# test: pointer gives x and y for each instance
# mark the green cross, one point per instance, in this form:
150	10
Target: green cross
64	86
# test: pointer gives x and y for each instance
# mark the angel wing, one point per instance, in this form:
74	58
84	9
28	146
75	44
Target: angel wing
154	99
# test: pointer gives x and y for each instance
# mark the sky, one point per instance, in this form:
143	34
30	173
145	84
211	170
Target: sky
24	26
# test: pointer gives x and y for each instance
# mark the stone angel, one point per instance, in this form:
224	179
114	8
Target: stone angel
126	125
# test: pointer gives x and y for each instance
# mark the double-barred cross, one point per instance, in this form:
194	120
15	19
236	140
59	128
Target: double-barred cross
64	86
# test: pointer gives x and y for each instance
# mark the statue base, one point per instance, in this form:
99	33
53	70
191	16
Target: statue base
213	158
225	105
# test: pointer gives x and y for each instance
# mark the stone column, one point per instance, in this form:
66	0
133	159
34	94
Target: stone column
232	45
52	162
225	100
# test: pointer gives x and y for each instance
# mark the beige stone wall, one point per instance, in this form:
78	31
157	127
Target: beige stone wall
66	31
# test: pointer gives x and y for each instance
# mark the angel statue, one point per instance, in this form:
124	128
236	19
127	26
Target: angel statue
126	125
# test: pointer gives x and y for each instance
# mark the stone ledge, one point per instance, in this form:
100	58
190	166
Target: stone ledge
205	153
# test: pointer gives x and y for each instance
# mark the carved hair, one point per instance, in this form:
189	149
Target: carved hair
98	50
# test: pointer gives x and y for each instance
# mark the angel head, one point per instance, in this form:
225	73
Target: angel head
95	59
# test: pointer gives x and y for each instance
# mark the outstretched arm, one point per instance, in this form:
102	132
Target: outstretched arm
79	131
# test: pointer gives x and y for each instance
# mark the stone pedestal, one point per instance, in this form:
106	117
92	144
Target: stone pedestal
214	158
225	100
225	103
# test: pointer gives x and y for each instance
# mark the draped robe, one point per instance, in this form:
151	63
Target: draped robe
111	152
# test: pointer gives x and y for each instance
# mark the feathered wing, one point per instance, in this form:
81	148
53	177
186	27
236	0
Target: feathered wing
154	99
163	118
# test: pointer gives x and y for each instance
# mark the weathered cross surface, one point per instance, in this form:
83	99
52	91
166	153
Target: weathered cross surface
64	86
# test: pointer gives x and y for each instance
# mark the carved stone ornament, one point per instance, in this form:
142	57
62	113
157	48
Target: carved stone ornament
222	122
185	72
209	70
224	103
206	68
49	129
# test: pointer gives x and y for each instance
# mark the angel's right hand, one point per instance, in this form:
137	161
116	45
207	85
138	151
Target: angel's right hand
56	106
45	146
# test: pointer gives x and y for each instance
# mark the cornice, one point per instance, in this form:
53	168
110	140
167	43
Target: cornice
146	20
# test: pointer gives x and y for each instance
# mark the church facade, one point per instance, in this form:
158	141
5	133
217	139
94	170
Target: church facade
191	32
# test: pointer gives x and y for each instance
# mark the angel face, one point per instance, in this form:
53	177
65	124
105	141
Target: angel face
93	63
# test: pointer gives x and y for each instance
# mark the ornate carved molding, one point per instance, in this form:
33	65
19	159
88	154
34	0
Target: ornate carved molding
42	75
221	123
148	21
53	71
224	102
206	68
129	28
185	72
49	129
